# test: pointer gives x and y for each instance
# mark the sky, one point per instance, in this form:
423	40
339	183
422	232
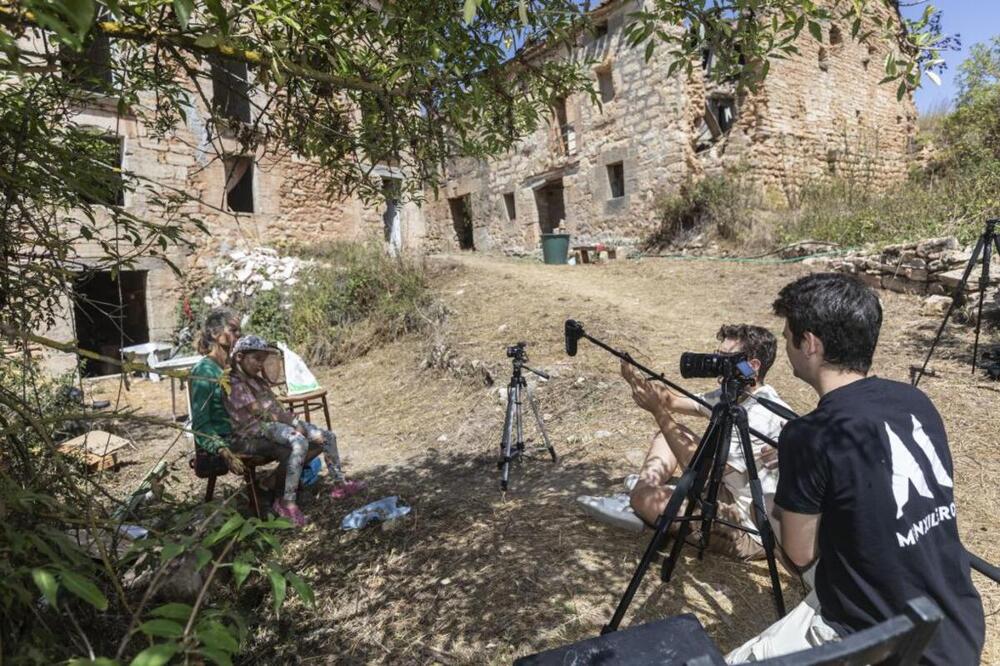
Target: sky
976	21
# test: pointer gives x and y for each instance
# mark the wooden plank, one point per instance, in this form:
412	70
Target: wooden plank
95	442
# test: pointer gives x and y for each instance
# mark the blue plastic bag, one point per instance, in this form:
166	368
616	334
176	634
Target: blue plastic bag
387	508
311	472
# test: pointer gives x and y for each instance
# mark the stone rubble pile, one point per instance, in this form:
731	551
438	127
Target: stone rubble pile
931	268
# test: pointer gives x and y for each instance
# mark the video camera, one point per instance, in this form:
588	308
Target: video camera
728	366
517	351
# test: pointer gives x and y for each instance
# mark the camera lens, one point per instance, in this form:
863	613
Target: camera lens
695	365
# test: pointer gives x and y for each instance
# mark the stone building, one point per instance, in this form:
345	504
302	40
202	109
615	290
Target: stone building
266	199
600	168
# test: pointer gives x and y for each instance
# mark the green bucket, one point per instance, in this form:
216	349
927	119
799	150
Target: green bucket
555	248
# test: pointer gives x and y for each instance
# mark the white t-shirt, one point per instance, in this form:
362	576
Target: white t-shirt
767	423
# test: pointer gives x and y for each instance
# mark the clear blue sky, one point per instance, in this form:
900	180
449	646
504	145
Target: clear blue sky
976	21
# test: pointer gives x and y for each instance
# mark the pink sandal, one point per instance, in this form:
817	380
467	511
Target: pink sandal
293	513
346	489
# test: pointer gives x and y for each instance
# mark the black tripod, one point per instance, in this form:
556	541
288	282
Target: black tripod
699	484
987	241
512	440
699	487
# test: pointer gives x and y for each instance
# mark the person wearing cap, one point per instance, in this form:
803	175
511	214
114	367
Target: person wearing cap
259	419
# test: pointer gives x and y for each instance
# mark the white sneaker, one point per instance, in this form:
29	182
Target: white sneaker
614	511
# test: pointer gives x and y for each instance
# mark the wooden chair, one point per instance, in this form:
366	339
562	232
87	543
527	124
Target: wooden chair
250	464
300	404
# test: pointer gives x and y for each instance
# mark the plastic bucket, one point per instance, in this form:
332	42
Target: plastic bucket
555	248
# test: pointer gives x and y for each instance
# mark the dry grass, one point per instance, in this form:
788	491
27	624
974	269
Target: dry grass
477	577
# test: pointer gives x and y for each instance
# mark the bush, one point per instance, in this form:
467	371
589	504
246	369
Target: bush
720	205
331	302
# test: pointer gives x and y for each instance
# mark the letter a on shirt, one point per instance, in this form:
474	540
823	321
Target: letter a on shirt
906	470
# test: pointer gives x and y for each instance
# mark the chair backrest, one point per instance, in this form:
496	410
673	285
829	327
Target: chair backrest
899	641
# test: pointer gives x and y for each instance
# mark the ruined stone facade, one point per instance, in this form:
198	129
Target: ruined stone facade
601	168
285	198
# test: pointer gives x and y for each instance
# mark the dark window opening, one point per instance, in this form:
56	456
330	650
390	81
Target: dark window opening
600	31
230	89
103	185
616	179
551	206
566	136
707	59
239	184
606	84
461	220
835	36
89	69
110	313
721	113
510	205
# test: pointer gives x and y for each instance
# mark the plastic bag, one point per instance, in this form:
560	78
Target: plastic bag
297	374
387	508
311	471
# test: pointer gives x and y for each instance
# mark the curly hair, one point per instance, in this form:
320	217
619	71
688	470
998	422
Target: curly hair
758	343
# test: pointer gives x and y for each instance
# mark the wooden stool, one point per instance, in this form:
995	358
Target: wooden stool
250	464
303	404
583	252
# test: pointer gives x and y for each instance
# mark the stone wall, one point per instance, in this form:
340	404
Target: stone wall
814	117
290	203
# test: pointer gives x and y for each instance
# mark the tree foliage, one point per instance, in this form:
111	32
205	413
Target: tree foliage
347	85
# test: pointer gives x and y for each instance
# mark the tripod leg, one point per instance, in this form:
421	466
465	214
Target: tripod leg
959	290
759	509
505	442
518	421
709	505
541	424
984	280
684	490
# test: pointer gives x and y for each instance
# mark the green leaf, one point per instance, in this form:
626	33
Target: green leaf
469	12
302	589
901	91
170	551
227	528
216	656
174	611
202	556
183	9
156	655
99	661
241	570
933	77
278	587
649	49
47	584
216	636
816	30
162	628
84	589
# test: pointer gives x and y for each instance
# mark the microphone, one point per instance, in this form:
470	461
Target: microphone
573	332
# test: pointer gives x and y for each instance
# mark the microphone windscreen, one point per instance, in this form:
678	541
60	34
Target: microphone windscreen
572	337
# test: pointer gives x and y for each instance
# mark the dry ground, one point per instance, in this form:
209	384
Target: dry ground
474	576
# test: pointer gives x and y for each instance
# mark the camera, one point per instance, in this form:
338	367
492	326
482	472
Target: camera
517	351
727	366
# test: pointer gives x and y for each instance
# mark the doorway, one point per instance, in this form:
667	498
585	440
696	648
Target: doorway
392	224
551	206
461	219
110	313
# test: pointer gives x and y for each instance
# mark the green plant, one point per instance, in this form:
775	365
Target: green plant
723	205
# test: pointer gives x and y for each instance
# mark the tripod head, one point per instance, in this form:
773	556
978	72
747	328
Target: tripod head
519	357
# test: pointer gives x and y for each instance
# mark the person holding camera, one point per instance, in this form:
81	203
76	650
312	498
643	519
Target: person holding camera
865	494
674	445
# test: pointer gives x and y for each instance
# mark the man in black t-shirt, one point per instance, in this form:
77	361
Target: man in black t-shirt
865	487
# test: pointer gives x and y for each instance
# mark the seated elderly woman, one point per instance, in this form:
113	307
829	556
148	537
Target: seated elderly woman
274	431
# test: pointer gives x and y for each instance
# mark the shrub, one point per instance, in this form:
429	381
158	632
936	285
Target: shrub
722	205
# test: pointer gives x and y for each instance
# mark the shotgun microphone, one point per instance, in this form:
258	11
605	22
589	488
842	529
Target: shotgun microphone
573	332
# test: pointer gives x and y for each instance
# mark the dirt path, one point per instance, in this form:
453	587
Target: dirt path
475	576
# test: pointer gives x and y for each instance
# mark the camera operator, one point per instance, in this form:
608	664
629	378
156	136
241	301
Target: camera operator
674	445
865	487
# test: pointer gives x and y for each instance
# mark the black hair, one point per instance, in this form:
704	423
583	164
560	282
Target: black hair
758	343
838	309
215	322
